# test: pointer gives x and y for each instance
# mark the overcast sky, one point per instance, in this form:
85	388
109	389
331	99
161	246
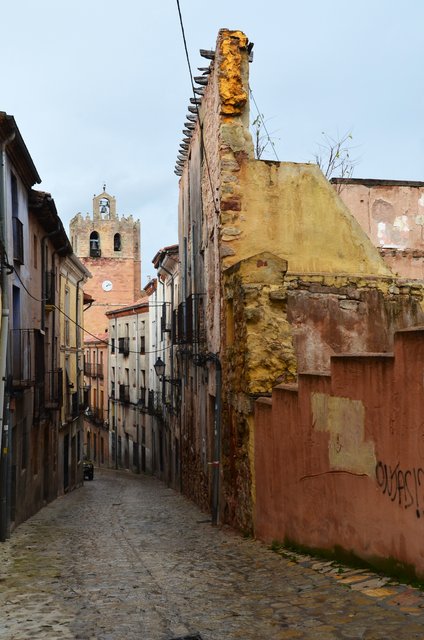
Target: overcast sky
99	90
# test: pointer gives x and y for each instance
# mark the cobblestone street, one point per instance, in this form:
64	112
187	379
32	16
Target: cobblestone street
126	557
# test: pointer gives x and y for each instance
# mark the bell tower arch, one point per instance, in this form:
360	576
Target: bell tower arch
108	244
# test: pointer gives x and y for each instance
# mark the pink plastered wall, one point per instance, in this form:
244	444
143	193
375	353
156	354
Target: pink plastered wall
339	459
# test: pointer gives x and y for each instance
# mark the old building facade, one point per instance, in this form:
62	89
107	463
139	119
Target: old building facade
164	399
391	212
128	383
73	275
96	433
108	244
276	277
34	247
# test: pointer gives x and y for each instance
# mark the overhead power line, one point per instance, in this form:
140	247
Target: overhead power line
261	118
79	326
197	108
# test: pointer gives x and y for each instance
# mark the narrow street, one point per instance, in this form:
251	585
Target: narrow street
126	557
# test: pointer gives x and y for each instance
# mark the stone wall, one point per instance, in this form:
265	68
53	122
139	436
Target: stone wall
290	278
279	325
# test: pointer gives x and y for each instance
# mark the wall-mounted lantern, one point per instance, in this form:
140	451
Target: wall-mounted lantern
159	367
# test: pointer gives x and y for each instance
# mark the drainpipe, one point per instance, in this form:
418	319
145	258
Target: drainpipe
78	347
53	312
43	272
161	335
4	344
216	463
172	276
137	406
114	404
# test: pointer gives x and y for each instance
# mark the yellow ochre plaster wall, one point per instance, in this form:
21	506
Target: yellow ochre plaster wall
232	89
291	210
286	208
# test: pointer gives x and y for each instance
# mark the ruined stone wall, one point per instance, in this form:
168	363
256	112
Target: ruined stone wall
407	263
291	210
280	325
223	101
258	348
258	220
347	314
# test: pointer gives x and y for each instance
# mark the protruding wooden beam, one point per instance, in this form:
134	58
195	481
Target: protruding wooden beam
207	53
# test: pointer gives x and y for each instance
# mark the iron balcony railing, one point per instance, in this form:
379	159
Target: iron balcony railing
165	322
48	394
18	240
50	287
95	414
154	404
23	358
142	397
54	389
74	405
99	415
188	321
124	393
88	369
124	346
93	369
142	345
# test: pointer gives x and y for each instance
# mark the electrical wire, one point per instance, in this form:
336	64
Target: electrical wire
197	108
106	342
263	124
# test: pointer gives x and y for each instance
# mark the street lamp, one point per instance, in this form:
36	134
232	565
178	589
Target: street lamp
159	367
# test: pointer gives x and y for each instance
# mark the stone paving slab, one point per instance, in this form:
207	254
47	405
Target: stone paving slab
388	591
124	557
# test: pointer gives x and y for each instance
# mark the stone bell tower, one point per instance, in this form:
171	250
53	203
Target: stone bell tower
109	247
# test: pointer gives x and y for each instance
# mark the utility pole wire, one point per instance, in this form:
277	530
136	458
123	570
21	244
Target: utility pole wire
263	124
197	109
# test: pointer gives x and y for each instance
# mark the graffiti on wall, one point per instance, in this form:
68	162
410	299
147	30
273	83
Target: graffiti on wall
402	486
